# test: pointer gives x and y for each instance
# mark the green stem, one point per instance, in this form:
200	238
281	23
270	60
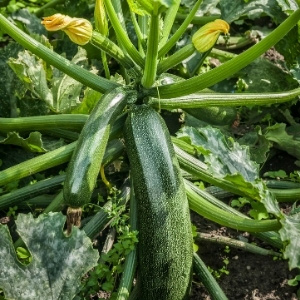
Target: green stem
221	54
286	195
87	78
37	164
58	122
198	20
64	121
151	55
138	32
169	22
211	212
31	190
235	244
207	279
235	42
100	41
56	205
271	237
224	99
176	58
105	65
229	68
179	32
131	259
122	35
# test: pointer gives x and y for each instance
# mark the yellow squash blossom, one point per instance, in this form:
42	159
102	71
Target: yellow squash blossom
207	35
78	30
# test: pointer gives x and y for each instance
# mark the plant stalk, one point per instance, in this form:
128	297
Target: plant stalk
224	99
82	75
122	35
151	54
235	244
175	59
227	69
179	32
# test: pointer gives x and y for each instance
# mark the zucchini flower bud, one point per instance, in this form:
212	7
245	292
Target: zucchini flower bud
78	30
207	35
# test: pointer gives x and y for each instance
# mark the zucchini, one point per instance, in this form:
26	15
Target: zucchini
86	161
165	248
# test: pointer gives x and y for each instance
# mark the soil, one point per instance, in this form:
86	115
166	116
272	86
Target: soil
250	276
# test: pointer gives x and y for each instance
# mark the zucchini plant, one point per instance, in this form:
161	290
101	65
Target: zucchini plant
130	109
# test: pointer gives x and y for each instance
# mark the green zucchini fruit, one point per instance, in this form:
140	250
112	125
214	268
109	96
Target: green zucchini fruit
86	161
165	250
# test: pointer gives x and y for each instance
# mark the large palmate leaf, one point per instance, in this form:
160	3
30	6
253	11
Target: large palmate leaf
58	261
30	70
66	90
231	162
224	156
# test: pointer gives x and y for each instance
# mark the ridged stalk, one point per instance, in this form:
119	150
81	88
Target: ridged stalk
30	191
211	212
82	75
175	59
224	240
131	259
100	41
51	159
224	99
169	19
179	32
271	237
207	279
63	121
229	68
151	54
122	35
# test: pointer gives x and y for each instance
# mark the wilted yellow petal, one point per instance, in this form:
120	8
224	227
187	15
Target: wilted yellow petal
207	35
78	30
56	22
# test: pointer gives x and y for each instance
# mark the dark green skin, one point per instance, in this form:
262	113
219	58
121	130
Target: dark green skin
86	161
165	248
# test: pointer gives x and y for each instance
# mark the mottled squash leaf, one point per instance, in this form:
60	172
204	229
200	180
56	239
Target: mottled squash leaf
58	261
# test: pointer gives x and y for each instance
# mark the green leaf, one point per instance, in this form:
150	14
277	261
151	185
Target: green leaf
290	232
283	141
66	90
58	261
223	155
89	100
234	10
258	211
33	143
288	5
10	85
31	72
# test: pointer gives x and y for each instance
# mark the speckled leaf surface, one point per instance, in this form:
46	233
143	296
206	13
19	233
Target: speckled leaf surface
58	261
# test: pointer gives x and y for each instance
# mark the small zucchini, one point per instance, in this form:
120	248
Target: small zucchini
165	249
86	160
